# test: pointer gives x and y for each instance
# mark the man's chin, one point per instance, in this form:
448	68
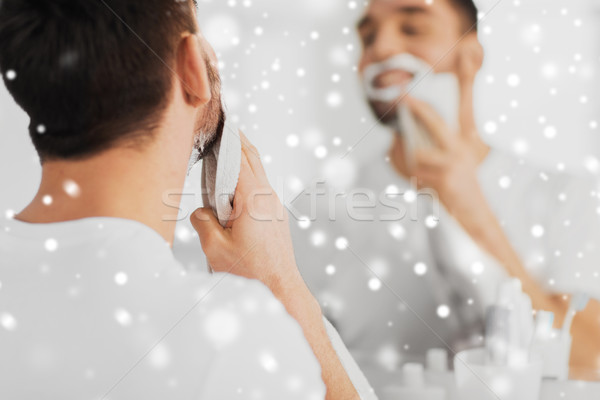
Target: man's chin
384	112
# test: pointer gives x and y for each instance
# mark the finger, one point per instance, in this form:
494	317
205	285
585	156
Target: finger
427	178
468	65
247	182
249	186
431	158
253	158
428	169
246	144
211	233
433	122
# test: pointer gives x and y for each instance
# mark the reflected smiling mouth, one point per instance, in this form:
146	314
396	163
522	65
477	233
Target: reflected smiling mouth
385	81
395	77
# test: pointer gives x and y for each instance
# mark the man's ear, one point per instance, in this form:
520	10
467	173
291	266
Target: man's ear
192	72
472	50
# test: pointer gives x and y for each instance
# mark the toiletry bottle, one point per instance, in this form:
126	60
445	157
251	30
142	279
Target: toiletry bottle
509	326
553	345
438	373
414	386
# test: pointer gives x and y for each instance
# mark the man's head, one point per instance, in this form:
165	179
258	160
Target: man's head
94	75
433	31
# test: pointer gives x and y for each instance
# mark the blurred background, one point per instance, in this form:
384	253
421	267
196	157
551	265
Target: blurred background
289	81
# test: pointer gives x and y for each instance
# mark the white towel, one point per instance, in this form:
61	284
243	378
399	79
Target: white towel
220	174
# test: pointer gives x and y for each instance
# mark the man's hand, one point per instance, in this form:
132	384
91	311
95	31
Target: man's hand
450	168
256	243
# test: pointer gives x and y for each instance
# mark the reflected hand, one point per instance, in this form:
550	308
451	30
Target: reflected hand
450	168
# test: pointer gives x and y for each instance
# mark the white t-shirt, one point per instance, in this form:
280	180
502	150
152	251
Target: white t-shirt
99	308
405	285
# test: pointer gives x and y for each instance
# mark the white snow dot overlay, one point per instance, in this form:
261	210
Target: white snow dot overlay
11	75
304	222
123	317
292	140
550	132
537	231
513	80
268	362
8	321
321	152
490	127
51	245
420	268
397	231
222	327
121	278
431	221
374	284
477	268
410	196
71	188
341	243
505	182
443	311
334	99
318	238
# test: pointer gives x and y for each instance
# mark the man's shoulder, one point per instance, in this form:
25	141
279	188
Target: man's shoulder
247	302
221	289
233	312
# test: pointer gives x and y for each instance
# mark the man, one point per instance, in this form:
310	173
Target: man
92	302
397	287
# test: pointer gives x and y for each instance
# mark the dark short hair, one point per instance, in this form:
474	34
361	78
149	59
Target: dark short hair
468	9
90	73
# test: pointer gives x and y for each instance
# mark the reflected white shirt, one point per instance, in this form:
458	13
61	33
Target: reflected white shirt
404	286
99	307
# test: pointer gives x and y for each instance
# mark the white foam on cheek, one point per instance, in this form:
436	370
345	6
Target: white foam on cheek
405	62
439	90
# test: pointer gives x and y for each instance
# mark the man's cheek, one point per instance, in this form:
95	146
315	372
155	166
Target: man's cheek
441	58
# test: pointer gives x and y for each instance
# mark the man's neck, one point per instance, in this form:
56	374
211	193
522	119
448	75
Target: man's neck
122	183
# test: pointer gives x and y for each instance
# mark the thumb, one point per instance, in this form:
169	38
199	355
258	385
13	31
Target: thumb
210	231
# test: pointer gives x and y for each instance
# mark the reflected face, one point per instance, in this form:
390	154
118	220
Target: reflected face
391	27
211	118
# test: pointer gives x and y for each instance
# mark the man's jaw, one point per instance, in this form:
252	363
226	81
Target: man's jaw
396	81
204	141
385	113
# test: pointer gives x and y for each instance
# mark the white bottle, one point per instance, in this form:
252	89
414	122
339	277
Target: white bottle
414	387
553	345
438	374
